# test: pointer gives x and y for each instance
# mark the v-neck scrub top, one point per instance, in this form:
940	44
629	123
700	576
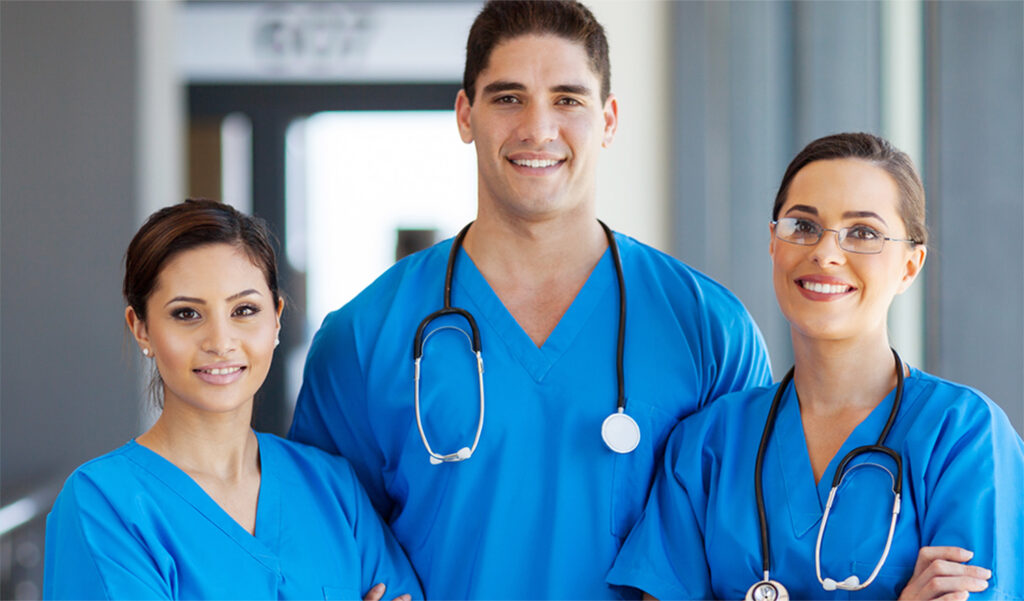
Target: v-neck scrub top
541	508
963	485
132	525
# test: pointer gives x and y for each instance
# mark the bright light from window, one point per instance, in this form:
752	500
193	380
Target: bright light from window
367	175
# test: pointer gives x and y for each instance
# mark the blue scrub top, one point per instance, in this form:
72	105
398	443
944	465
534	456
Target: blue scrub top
541	508
963	485
131	525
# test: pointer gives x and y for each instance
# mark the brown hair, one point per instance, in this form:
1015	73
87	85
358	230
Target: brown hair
878	152
185	226
502	20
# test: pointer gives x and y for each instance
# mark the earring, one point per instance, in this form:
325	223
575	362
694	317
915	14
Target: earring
277	342
145	352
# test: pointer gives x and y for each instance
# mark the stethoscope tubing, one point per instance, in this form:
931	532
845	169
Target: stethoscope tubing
419	340
879	446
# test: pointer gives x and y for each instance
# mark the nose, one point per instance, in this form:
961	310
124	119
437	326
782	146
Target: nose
218	337
539	124
827	250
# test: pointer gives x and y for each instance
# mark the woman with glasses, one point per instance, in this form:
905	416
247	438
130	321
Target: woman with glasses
200	506
857	476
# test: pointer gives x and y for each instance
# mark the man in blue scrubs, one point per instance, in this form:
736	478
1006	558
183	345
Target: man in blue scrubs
541	506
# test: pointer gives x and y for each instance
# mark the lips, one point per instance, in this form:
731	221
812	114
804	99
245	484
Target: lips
820	288
824	288
223	374
535	163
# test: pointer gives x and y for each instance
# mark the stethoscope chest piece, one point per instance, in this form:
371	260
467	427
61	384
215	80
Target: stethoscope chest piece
767	590
620	432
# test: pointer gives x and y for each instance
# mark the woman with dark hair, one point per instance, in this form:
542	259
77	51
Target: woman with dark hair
857	476
200	506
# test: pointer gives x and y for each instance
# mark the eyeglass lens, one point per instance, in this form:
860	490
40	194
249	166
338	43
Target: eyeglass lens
857	238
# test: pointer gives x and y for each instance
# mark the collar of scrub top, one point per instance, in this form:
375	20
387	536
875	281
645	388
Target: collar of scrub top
619	431
770	590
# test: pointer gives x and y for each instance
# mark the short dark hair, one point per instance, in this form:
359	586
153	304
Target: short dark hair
502	20
877	151
189	225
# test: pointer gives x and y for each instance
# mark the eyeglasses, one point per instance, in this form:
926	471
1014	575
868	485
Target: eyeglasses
859	239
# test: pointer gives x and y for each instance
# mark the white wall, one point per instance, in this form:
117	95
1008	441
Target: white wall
633	181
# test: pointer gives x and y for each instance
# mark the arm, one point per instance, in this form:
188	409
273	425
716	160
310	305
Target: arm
941	573
664	553
332	413
736	356
974	486
383	562
91	553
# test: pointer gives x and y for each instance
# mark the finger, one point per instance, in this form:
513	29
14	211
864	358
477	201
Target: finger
941	567
376	593
955	596
942	585
405	597
929	554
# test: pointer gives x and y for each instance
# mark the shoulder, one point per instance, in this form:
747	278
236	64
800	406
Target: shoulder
306	462
676	277
947	420
104	482
733	416
403	282
939	401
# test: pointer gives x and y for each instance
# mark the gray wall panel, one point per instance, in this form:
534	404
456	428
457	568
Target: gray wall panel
67	183
976	198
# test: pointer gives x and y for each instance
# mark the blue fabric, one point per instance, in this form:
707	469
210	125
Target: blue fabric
963	485
541	508
131	525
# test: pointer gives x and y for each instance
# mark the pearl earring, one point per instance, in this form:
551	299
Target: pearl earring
145	352
277	342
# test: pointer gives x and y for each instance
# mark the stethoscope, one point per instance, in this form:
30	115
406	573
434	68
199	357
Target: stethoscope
770	590
619	431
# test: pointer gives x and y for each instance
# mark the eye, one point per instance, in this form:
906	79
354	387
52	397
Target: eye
246	310
506	100
863	232
805	227
185	314
569	102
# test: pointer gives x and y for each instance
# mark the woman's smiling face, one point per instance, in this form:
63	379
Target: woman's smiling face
211	325
826	292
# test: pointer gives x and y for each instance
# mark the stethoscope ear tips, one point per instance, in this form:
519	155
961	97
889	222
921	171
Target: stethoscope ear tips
434	460
464	453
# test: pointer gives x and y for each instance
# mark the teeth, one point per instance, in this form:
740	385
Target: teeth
536	163
223	371
825	288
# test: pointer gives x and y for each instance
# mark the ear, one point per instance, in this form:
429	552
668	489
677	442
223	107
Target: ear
611	120
462	110
771	240
277	313
138	328
913	266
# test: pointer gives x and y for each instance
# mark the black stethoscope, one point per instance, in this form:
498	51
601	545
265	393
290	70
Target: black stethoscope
770	590
619	431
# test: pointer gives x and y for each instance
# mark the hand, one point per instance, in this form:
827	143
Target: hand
941	573
377	593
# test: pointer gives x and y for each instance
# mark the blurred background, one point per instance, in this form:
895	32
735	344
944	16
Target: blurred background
333	121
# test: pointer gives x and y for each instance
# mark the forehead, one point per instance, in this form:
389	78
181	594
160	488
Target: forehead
839	185
541	59
210	269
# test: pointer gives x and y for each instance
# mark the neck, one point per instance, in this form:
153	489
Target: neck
218	445
835	376
535	251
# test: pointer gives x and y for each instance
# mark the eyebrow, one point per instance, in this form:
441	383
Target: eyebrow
846	215
513	86
199	301
503	86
